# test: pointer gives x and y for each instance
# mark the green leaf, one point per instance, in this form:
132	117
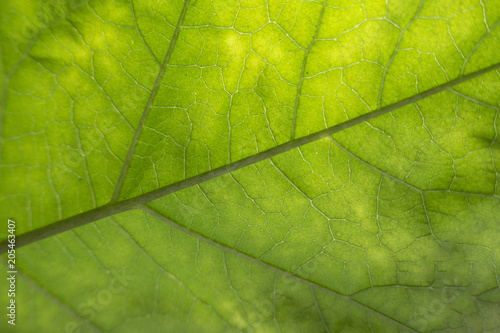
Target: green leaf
254	166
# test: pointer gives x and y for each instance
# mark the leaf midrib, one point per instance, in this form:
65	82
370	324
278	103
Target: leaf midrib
122	206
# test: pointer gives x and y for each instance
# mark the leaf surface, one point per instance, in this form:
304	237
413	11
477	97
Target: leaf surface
252	166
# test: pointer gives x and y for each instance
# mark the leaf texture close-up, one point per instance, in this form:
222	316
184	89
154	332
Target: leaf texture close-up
250	165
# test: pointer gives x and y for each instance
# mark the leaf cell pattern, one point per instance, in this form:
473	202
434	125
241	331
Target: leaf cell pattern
252	166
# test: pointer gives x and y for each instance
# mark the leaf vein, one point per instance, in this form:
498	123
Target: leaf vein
223	247
128	204
149	103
